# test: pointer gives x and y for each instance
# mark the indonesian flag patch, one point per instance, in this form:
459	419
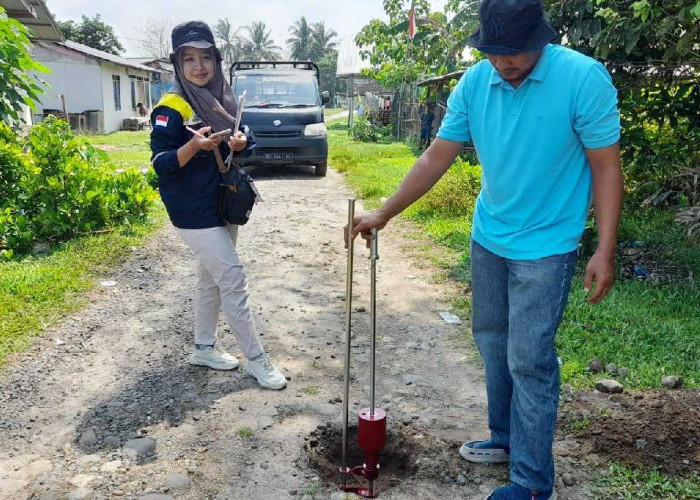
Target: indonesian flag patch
162	120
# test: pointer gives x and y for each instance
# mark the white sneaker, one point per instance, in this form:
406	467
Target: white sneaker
265	373
213	357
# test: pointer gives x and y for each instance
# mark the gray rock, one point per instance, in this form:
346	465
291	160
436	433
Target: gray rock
89	459
79	494
81	480
40	248
269	411
265	422
611	368
596	366
40	467
111	466
412	345
478	481
623	371
140	447
609	386
9	486
88	439
461	480
672	381
446	479
112	441
640	444
568	479
324	409
47	496
341	495
177	481
187	430
410	379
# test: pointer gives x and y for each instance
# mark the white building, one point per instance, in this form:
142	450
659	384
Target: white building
97	90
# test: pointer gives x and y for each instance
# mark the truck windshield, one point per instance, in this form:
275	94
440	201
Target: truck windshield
277	91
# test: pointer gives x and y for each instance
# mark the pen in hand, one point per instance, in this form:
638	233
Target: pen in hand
195	132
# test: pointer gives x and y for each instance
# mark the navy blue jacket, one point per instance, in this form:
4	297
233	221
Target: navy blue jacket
190	193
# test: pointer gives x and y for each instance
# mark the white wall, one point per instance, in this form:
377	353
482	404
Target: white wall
112	117
86	84
75	76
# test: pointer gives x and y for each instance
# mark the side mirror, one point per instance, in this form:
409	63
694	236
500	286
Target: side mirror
325	96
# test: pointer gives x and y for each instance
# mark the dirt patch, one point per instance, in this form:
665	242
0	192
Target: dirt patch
409	453
653	429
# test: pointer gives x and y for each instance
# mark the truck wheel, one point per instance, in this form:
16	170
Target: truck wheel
321	169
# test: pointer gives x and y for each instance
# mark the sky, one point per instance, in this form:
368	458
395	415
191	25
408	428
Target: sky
346	17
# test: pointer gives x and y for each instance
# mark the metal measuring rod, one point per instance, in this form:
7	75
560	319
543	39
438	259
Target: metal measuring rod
371	422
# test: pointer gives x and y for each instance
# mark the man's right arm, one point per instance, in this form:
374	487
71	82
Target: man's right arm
427	170
454	131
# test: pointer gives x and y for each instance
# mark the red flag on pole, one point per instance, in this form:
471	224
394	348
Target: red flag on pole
412	22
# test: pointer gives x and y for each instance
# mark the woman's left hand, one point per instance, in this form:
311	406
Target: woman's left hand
238	142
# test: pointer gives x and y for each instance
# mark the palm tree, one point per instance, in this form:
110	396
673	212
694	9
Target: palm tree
258	44
321	41
301	41
228	40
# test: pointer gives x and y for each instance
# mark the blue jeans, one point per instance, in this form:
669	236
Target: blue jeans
517	307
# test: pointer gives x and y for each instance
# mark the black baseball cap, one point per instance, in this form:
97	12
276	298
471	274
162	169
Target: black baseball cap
192	34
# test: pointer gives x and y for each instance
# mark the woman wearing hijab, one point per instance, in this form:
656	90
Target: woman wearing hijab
188	165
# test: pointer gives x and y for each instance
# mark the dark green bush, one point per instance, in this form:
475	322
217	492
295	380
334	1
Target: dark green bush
455	194
58	186
366	131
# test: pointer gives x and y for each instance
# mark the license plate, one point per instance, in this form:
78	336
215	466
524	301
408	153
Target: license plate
278	157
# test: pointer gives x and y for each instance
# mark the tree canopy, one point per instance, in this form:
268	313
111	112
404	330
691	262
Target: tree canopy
93	33
258	44
435	49
652	50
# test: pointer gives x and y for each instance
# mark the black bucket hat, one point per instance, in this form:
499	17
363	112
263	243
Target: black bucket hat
512	27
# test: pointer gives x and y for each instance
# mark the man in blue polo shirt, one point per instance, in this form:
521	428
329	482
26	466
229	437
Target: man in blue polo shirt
544	121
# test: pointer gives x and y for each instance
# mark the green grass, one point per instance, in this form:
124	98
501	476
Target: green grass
332	111
245	432
578	426
312	488
125	149
311	390
37	291
374	170
652	329
620	482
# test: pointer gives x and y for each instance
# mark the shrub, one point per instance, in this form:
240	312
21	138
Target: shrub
454	195
366	131
18	84
58	186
